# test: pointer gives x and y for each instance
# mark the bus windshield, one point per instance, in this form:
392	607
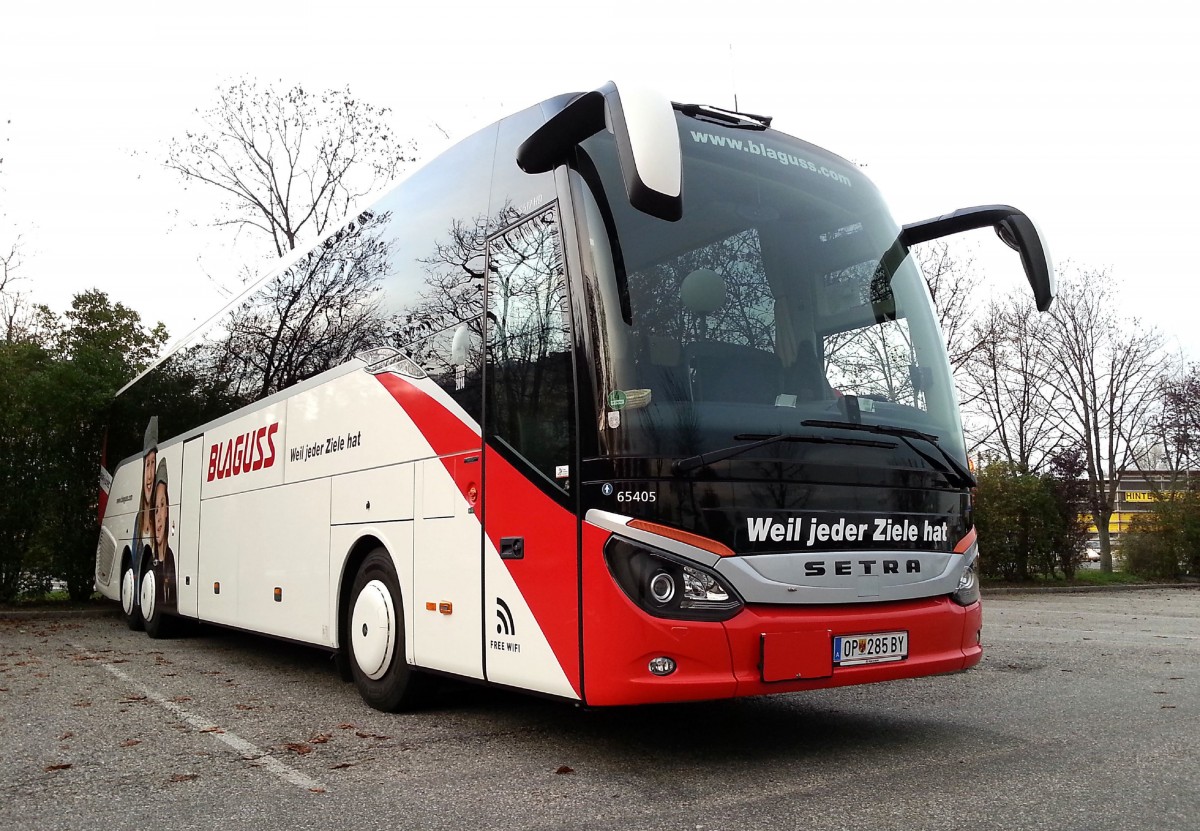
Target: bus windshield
779	303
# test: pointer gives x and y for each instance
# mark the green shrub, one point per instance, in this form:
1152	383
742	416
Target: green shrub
1019	523
1164	544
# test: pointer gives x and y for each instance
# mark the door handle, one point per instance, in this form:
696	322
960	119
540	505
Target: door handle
512	548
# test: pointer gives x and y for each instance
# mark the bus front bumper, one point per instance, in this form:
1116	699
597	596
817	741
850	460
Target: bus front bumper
771	649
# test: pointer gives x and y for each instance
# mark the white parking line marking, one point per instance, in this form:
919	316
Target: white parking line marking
247	750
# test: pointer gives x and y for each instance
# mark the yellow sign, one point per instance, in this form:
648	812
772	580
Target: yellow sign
1118	522
1150	496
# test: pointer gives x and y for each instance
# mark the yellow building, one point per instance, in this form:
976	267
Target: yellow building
1135	495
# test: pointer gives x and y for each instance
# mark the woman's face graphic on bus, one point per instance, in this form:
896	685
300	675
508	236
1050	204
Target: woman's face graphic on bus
161	516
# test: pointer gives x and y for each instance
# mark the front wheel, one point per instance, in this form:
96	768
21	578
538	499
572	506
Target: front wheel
158	625
375	637
131	608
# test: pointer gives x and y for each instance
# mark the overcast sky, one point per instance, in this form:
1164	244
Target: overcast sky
1082	115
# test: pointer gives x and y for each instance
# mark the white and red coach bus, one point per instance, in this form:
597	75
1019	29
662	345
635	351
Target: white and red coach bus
617	401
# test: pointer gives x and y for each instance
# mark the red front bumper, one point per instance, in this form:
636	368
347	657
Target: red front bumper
725	660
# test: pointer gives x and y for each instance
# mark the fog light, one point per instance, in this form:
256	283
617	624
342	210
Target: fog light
662	587
662	665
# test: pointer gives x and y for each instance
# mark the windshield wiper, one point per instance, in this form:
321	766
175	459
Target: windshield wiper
760	440
951	468
740	121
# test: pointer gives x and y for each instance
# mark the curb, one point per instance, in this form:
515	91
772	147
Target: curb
1114	587
37	614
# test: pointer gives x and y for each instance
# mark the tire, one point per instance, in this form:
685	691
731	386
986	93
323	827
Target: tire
131	609
374	638
158	625
341	663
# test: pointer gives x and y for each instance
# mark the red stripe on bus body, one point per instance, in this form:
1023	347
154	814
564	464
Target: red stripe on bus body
547	574
445	431
546	577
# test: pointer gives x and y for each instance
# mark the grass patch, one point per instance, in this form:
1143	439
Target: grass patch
1095	577
54	600
1083	577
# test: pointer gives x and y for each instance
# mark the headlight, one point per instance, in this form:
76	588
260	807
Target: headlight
968	585
668	586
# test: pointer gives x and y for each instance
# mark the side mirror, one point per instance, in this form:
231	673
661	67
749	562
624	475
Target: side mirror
1017	231
643	123
460	346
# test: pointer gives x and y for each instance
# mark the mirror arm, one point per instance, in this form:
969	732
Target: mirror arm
964	219
1012	226
647	139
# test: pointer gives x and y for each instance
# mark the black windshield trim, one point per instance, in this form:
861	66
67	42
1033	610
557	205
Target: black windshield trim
690	463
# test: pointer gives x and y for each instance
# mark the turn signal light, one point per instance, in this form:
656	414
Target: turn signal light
687	537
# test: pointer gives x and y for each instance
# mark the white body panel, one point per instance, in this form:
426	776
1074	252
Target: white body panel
377	495
117	524
446	572
119	519
187	546
278	496
255	542
347	424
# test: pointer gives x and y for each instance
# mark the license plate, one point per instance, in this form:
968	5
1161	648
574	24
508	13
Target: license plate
874	648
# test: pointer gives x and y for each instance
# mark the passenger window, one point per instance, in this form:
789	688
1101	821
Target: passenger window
530	390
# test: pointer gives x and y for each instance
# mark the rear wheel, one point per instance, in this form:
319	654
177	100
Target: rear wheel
131	608
375	640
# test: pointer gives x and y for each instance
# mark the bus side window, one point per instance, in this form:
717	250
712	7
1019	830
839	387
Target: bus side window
530	389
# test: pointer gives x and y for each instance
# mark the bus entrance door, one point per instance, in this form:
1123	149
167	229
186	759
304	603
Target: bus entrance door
531	595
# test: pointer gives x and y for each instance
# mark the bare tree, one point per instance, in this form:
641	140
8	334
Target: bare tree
1176	425
20	320
953	279
288	163
10	297
1012	413
309	317
1105	373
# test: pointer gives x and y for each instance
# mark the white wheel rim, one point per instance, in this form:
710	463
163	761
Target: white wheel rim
373	629
147	597
127	591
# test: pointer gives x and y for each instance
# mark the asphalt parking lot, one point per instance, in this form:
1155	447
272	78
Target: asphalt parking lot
1082	715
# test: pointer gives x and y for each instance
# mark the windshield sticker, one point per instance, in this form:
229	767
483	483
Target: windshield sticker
616	400
614	419
783	157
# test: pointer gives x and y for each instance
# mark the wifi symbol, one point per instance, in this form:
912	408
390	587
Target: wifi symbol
506	626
